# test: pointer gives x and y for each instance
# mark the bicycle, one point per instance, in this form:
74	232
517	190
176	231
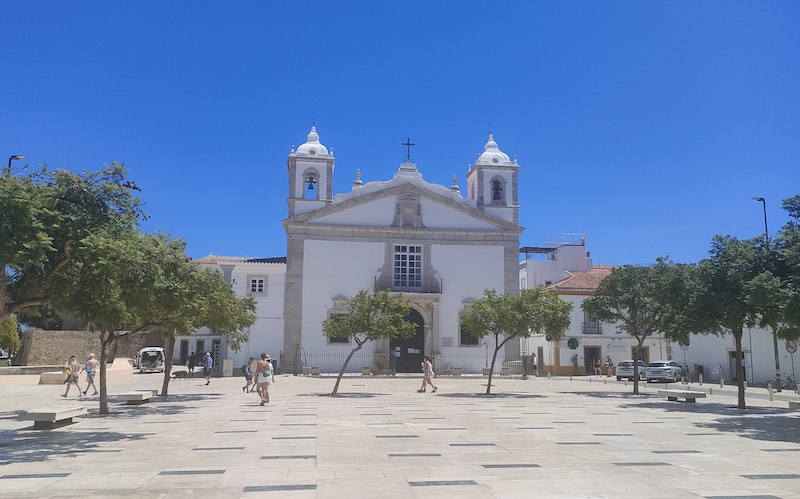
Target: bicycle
787	383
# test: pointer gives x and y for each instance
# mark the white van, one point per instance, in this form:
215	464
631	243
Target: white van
150	359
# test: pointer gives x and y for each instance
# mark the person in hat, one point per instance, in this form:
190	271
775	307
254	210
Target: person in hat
264	377
90	367
208	363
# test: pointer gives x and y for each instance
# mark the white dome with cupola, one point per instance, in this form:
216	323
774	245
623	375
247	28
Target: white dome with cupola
312	148
492	155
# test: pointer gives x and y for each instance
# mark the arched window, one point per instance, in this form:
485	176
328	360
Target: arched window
498	188
311	184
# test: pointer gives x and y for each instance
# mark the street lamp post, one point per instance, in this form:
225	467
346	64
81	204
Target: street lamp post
774	335
13	158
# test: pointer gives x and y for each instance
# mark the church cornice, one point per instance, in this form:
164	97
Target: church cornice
305	218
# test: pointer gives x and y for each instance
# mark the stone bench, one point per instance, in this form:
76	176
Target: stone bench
47	418
794	405
674	395
136	398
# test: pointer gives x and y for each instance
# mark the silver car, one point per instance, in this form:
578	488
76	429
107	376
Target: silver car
625	370
664	370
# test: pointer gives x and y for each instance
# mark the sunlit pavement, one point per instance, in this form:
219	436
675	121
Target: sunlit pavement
532	438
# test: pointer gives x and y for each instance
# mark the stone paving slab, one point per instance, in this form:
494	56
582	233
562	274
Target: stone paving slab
532	438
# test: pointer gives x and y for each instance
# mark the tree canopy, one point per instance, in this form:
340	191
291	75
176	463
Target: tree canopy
44	217
513	316
9	334
370	316
643	301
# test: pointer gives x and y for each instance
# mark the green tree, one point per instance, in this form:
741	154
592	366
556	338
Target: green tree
9	334
126	282
787	244
643	301
736	288
195	298
510	316
44	216
371	316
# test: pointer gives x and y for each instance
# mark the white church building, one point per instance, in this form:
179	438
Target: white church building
438	247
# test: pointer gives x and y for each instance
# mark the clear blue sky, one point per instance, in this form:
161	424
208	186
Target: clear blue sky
646	125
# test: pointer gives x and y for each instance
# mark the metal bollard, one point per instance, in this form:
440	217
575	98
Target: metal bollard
721	382
700	378
590	380
605	381
548	374
570	378
626	381
745	385
771	393
710	391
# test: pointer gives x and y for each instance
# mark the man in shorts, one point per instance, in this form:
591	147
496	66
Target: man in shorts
208	363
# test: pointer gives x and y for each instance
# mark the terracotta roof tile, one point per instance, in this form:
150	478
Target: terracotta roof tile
582	282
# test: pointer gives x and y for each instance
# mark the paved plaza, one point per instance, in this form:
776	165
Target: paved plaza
381	439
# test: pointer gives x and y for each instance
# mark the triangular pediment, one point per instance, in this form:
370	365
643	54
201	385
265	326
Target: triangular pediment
383	207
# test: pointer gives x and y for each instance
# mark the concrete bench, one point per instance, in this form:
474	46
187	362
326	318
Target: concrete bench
151	391
47	418
794	405
136	398
674	395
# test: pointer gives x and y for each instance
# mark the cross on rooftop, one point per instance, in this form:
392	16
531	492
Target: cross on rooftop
408	145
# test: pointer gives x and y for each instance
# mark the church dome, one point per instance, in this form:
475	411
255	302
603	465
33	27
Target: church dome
492	155
312	147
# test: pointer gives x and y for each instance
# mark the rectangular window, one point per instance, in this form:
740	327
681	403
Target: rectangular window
591	325
407	266
467	339
257	285
338	340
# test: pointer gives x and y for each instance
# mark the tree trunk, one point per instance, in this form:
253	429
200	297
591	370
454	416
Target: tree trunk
737	338
497	348
168	363
636	366
106	340
341	373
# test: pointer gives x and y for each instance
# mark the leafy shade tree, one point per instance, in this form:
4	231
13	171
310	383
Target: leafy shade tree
736	289
788	268
9	335
195	298
643	301
371	316
513	316
126	282
45	216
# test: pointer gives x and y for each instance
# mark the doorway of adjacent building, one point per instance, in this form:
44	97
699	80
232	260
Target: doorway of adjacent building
184	352
644	354
589	356
408	352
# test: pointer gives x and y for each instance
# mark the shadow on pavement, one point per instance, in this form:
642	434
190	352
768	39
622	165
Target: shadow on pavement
772	424
37	445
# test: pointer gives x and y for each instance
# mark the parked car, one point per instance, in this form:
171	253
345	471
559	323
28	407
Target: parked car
625	370
664	370
151	359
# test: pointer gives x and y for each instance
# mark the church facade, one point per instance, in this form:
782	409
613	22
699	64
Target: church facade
437	247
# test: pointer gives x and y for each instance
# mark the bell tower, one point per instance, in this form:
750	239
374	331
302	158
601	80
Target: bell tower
310	176
492	183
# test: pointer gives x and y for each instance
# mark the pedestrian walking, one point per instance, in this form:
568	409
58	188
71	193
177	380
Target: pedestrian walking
90	367
247	370
191	361
427	375
208	363
71	371
264	377
609	366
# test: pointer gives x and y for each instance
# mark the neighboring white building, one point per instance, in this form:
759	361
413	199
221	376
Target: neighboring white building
565	268
264	279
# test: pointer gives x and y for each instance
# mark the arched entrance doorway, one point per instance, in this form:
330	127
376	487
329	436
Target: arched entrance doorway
408	352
